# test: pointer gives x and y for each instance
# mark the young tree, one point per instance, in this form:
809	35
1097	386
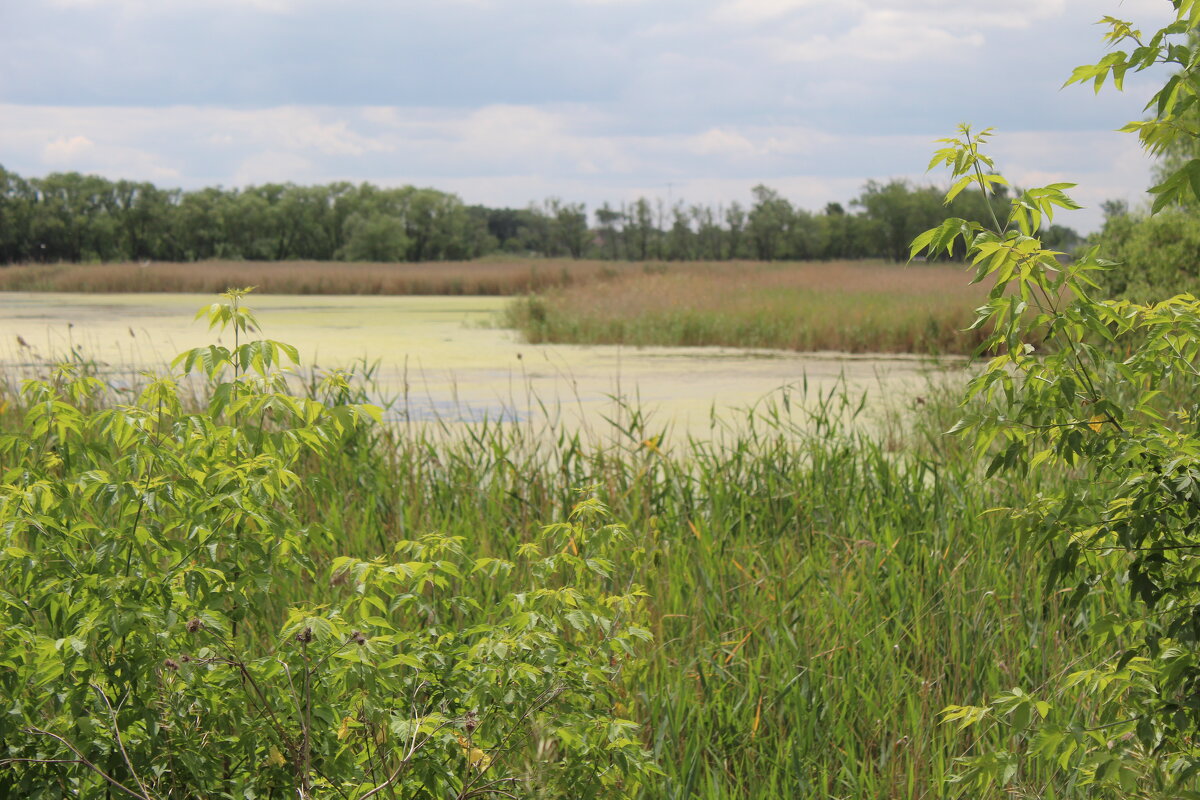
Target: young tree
1110	389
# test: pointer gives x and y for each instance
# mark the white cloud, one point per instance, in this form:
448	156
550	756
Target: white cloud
720	142
511	154
64	150
756	11
273	6
273	167
881	36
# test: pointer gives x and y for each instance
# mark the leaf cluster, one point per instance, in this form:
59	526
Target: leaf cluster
154	642
1106	389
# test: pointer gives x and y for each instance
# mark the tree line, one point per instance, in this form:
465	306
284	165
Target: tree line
82	218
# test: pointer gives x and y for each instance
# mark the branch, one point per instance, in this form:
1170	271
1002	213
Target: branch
89	764
117	734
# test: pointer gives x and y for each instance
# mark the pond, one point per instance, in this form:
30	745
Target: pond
443	358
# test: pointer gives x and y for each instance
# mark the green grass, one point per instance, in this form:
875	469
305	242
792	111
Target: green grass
819	593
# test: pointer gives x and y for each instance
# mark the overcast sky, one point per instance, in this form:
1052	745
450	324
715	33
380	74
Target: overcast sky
511	101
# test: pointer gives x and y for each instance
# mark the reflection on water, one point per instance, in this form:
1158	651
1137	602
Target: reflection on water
438	359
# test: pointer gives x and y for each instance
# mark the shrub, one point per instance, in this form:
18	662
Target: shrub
1109	389
154	641
1159	255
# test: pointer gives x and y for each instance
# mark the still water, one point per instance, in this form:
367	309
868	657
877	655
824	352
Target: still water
443	358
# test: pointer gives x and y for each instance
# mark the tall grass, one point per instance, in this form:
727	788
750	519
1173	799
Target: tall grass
487	277
848	306
819	589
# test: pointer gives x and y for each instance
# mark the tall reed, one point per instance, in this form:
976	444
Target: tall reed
847	307
819	588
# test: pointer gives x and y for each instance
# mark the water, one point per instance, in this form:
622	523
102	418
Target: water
442	358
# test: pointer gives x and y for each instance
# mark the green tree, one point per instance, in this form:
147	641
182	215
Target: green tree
1109	389
767	224
374	237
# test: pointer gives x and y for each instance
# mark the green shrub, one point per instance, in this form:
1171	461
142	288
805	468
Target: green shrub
1159	255
164	632
1111	390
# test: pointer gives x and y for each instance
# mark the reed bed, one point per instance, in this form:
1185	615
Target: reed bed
820	589
852	307
485	277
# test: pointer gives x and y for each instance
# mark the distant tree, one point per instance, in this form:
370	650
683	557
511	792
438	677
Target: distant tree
609	222
709	235
679	244
767	224
735	219
374	237
571	227
641	228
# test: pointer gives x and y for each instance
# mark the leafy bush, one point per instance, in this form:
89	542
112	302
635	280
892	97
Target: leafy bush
164	632
1109	389
1159	255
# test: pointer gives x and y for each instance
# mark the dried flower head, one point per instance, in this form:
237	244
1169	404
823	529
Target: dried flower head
194	625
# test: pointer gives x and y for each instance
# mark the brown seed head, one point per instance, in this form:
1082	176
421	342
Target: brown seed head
194	625
170	663
359	638
305	636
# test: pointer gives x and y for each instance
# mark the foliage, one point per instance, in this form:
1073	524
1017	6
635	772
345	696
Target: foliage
165	631
792	544
85	218
1109	389
1159	254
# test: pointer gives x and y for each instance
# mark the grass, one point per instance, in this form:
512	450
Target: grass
818	593
850	307
485	277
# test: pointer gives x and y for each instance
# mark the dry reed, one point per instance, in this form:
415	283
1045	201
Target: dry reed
485	277
844	306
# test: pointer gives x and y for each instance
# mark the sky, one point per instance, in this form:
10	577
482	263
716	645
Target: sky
508	102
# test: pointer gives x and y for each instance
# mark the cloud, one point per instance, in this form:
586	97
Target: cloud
64	150
719	142
136	6
512	155
880	36
273	167
583	99
757	11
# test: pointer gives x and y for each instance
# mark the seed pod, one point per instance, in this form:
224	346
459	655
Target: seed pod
194	625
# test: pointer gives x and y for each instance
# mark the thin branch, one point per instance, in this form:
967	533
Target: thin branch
120	743
89	764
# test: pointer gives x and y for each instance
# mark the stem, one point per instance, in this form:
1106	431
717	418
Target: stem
983	188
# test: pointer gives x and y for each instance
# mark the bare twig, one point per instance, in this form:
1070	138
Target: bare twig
89	764
120	743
